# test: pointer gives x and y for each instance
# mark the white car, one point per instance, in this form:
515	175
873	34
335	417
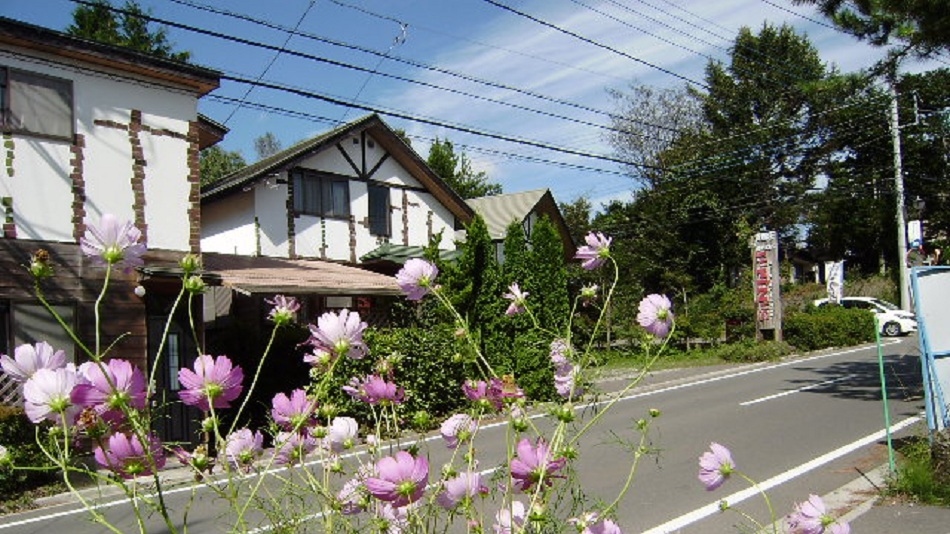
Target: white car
893	320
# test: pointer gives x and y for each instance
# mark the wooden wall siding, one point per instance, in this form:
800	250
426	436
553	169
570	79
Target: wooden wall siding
77	282
138	172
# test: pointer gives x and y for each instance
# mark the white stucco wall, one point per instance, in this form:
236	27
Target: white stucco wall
42	190
270	201
228	227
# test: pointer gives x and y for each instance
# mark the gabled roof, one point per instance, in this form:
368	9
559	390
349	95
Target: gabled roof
54	44
372	124
499	211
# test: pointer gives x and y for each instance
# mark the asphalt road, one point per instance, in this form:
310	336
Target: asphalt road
800	426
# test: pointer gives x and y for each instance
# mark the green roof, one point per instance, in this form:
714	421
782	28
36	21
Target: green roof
400	253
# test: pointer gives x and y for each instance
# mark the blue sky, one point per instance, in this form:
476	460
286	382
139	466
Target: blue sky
655	42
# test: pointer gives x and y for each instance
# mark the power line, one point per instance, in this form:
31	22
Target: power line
595	43
272	60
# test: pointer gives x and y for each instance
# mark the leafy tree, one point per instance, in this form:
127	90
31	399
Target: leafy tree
746	165
548	282
577	217
267	145
126	27
216	162
923	26
456	170
647	122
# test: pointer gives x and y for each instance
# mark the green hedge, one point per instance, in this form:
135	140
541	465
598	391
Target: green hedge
18	435
828	326
429	364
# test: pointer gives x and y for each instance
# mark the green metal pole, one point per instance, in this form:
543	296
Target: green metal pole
887	411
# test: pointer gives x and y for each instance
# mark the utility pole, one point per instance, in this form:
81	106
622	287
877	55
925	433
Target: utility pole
899	190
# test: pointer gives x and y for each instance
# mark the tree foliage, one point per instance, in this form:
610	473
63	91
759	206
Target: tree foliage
923	26
577	217
127	28
216	162
456	169
267	145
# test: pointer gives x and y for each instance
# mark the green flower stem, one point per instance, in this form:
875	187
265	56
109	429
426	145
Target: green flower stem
606	307
69	331
625	390
257	374
98	305
765	497
161	345
468	336
637	455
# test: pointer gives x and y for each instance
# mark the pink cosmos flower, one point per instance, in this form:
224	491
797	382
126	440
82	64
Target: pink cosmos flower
458	428
656	315
28	358
318	358
373	389
340	334
492	393
244	447
295	413
511	520
595	252
518	300
810	517
393	519
48	395
416	278
113	242
111	386
715	466
214	382
292	447
588	524
128	458
342	434
565	381
284	309
352	497
399	479
465	485
533	465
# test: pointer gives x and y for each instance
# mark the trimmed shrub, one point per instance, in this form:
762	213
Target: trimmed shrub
19	438
429	363
751	351
828	326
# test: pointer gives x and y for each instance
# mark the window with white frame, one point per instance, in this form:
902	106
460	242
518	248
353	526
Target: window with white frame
378	209
36	104
320	194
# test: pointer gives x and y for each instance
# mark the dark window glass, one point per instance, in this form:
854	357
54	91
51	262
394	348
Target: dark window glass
321	195
37	104
378	210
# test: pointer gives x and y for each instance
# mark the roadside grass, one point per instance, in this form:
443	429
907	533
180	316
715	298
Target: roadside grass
918	478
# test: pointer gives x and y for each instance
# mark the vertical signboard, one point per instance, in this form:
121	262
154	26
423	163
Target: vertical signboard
766	284
834	280
931	292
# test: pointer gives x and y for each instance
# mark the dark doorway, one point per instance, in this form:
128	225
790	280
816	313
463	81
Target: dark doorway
173	421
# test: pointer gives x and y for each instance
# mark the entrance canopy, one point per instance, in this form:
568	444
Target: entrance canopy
249	275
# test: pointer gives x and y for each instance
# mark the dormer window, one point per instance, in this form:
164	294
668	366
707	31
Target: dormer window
320	194
36	104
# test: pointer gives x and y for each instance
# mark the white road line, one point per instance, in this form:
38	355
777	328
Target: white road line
793	391
781	478
717	378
